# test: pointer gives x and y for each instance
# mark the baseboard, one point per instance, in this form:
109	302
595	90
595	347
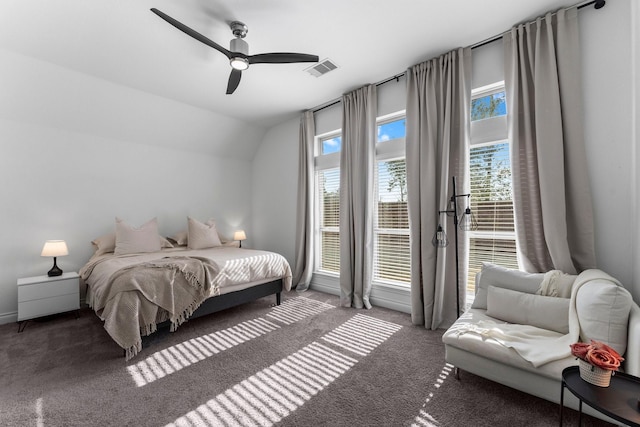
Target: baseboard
392	297
325	283
10	317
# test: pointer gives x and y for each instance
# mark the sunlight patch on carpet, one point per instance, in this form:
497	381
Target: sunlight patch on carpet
361	334
295	309
272	394
39	415
424	418
174	358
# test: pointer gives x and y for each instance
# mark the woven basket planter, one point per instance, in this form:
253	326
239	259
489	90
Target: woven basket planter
594	375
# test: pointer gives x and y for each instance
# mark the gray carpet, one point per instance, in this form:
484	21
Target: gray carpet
307	363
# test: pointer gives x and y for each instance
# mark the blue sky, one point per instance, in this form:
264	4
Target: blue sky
386	131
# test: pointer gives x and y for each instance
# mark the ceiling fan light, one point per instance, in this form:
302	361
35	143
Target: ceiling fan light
239	63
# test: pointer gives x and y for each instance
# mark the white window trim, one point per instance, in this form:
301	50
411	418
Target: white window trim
393	149
392	295
485	132
322	162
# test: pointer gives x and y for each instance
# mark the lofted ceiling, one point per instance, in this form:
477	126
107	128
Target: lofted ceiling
123	42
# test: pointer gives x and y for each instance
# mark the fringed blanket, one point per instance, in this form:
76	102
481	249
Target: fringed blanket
141	296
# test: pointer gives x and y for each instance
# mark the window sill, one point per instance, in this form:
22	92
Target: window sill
387	295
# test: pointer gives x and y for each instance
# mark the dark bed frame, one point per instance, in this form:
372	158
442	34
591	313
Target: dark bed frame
224	301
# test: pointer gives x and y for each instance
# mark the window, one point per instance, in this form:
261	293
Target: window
489	105
391	256
391	253
490	182
328	203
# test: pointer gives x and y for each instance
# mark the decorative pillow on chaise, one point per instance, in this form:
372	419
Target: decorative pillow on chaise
500	277
544	312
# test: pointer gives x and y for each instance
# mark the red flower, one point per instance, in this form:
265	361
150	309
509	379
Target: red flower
597	354
603	359
580	349
602	346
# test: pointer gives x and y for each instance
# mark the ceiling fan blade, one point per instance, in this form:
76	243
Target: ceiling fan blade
281	58
196	35
234	81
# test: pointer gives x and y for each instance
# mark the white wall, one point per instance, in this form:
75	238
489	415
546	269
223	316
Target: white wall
607	55
610	117
275	186
76	151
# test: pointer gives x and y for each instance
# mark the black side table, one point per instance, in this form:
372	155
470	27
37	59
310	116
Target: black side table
619	401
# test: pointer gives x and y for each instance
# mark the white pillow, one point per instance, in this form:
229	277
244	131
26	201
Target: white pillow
130	240
202	236
107	243
529	309
104	244
603	309
495	275
180	238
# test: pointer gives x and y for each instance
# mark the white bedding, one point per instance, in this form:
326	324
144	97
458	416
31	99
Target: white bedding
239	269
132	293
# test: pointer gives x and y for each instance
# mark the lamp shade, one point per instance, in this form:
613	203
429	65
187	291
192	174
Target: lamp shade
239	235
468	221
55	248
440	239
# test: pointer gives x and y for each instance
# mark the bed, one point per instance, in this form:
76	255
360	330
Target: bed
134	292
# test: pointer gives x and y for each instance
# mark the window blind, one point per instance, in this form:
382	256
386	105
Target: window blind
492	203
329	211
391	229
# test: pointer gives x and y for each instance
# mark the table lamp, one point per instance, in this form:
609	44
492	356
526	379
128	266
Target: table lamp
239	236
54	248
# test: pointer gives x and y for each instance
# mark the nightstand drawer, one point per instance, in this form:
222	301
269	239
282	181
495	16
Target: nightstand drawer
45	290
44	307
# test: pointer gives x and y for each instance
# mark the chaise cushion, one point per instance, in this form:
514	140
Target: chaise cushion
500	277
603	309
528	309
489	348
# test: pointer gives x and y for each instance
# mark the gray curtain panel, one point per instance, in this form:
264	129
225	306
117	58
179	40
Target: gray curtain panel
438	109
552	197
303	268
356	196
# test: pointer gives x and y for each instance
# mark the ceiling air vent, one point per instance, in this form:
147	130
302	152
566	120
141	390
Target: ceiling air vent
321	68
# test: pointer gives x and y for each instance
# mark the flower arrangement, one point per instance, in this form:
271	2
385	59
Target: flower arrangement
597	360
597	354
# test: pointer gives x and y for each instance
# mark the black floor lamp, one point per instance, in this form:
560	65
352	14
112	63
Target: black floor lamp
466	221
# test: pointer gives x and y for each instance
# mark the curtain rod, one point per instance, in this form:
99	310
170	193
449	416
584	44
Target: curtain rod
598	4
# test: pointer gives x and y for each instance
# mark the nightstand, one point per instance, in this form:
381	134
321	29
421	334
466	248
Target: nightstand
43	295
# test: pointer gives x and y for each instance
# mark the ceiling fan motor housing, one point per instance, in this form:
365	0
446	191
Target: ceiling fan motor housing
240	46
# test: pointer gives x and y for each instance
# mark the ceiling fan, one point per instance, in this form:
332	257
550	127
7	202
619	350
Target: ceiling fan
238	55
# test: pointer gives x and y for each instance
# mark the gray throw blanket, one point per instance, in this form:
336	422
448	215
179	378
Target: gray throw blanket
142	295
